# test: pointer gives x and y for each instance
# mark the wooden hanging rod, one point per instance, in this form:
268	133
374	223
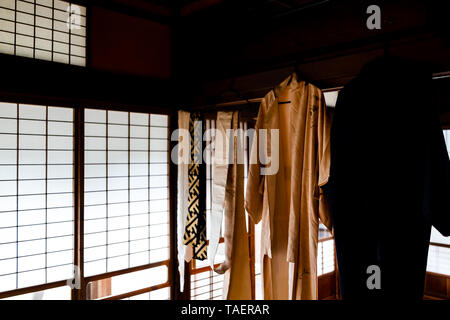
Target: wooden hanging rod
435	76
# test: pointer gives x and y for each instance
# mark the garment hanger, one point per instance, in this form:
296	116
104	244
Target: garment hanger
232	89
299	75
295	73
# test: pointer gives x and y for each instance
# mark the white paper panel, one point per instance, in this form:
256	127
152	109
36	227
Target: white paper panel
32	172
138	182
60	128
25	18
43	55
94	115
10	4
59	214
8	110
92	129
159	120
47	3
32	142
128	198
43	22
118	183
95	212
60	114
58	258
139	118
44	11
139	144
8	219
158	145
158	157
25	7
95	184
32	217
60	185
7	14
138	132
32	186
159	181
25	41
60	243
61	5
94	170
118	130
139	157
60	142
7	251
61	37
118	143
8	203
61	58
60	171
158	169
7	26
24	29
156	132
115	170
159	205
8	157
77	61
61	15
77	40
43	44
118	117
60	157
60	47
8	126
31	278
159	193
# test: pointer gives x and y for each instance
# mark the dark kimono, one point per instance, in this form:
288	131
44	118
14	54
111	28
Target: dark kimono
389	179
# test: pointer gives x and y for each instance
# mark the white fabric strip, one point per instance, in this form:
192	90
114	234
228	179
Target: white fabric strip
220	167
183	157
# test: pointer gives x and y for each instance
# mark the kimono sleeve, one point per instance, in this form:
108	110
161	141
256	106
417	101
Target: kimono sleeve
323	161
255	181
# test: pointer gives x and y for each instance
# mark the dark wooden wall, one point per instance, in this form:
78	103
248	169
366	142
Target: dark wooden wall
327	286
131	45
437	286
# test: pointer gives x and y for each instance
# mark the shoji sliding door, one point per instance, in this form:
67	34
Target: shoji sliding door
126	213
36	196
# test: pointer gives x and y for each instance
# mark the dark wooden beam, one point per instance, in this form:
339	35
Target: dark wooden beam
35	81
136	8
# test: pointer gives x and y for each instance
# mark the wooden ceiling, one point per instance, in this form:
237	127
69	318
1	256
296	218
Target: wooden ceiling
253	45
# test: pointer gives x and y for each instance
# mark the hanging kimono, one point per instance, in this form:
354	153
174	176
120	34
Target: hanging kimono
228	200
289	164
389	180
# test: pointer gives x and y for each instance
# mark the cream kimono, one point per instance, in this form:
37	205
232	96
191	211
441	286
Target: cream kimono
228	201
289	200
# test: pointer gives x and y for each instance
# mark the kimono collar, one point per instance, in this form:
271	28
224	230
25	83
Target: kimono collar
292	82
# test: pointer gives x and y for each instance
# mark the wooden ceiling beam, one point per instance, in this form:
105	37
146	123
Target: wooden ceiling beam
197	6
